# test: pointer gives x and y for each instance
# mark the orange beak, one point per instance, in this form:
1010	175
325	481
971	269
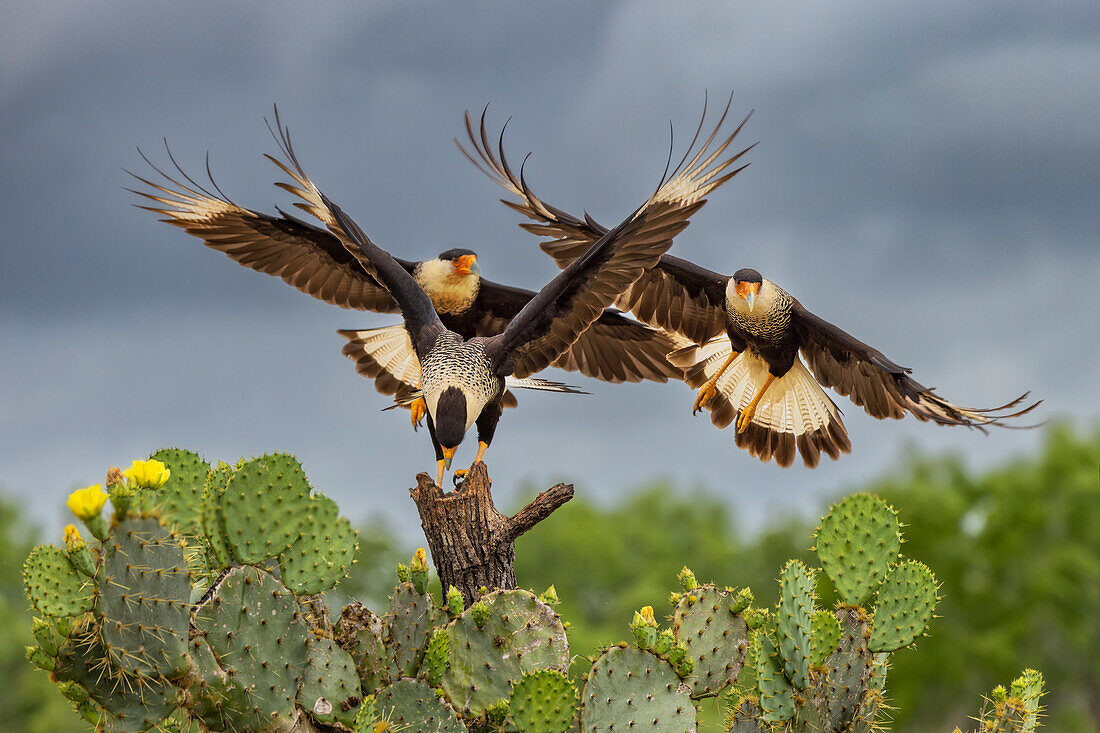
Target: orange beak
448	456
466	264
748	291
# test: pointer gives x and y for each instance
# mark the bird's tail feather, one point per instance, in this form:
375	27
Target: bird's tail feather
795	413
544	385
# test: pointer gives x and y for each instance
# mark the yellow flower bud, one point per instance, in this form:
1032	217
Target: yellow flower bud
73	540
147	474
647	616
88	502
419	562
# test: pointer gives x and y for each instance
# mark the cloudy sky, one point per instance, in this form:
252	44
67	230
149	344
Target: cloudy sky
923	180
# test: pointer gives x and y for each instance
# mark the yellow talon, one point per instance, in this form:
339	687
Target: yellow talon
706	394
745	417
418	409
749	412
707	391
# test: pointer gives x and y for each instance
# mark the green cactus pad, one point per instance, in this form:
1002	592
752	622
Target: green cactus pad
1017	710
746	719
776	693
213	523
716	638
849	669
905	603
361	634
825	636
408	625
180	499
1028	690
132	703
330	687
412	705
435	657
53	585
543	702
521	634
323	552
794	620
629	689
857	542
252	626
264	505
144	588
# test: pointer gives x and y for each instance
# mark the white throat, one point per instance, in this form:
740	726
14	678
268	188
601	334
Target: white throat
450	292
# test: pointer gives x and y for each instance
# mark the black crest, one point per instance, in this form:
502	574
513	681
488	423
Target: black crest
454	254
747	275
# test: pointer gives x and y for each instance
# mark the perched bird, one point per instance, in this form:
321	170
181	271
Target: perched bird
462	380
747	334
614	349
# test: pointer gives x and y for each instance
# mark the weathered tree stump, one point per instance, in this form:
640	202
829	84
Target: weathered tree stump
472	544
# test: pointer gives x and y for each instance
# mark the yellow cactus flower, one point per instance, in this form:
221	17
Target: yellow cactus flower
647	616
147	474
419	562
88	502
73	540
114	476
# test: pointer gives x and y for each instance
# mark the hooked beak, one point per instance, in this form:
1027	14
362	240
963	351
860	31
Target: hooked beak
466	265
448	456
748	291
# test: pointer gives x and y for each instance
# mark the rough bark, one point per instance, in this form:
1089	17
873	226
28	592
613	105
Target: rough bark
472	544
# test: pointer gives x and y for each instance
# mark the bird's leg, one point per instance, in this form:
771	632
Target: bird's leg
419	409
461	472
707	391
750	409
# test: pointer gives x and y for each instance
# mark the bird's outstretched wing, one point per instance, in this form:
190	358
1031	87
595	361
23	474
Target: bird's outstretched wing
421	320
614	349
303	255
676	295
571	302
881	387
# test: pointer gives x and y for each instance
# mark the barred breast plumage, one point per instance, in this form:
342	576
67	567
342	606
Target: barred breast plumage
453	362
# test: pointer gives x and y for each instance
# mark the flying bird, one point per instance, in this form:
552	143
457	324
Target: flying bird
463	380
614	349
746	335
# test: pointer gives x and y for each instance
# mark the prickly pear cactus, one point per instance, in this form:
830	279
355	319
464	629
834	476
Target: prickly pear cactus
53	585
708	621
488	655
143	599
857	542
330	686
818	670
543	702
413	705
198	606
633	689
1015	710
265	503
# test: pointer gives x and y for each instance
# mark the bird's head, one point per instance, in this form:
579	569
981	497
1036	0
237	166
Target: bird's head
746	284
450	422
463	262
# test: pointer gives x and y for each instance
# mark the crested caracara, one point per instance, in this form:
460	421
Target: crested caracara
614	349
747	334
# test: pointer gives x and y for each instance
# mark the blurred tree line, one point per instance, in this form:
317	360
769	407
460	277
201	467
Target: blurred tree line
1016	549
